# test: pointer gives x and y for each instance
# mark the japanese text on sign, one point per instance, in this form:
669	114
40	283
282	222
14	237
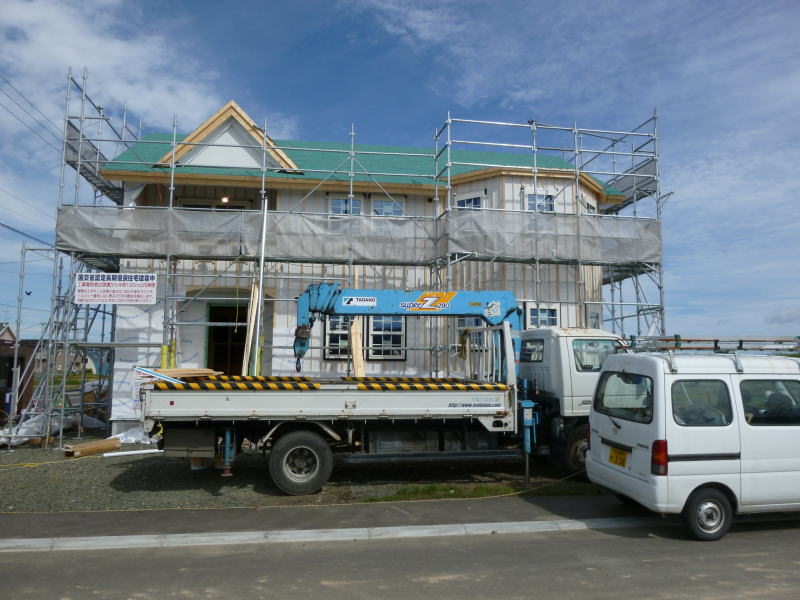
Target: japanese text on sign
115	288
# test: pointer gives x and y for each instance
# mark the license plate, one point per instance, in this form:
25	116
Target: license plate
618	457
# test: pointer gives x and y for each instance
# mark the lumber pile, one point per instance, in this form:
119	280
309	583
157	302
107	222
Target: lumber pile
95	447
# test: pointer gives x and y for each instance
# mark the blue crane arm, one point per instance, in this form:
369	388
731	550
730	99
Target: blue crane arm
493	307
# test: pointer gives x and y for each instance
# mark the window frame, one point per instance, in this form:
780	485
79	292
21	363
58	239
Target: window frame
578	365
529	324
327	352
340	221
540	343
538	199
763	423
380	224
604	377
469	197
730	415
372	351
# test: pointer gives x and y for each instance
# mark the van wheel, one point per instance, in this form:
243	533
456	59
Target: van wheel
575	451
708	514
300	463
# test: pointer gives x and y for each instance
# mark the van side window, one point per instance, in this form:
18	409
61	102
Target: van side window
532	351
771	401
590	354
626	396
701	403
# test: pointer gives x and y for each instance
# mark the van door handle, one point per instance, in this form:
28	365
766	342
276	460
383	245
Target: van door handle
616	445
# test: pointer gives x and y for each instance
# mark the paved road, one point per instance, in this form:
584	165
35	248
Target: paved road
756	560
624	553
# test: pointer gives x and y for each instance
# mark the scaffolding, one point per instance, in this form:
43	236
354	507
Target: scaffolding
210	255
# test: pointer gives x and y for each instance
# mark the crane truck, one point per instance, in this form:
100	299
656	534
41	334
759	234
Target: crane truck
518	388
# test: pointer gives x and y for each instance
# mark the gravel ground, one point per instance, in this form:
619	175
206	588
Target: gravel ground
42	480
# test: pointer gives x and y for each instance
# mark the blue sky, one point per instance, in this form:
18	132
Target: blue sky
724	77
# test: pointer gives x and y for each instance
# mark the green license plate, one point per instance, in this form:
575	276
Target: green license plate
618	457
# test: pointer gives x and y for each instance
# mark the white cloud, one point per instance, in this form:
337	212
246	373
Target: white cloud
127	56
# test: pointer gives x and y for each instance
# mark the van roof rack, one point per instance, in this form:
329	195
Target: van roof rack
727	345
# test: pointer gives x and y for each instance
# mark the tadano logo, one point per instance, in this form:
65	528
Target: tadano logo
429	301
359	301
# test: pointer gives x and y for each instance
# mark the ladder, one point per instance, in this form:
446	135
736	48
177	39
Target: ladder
721	344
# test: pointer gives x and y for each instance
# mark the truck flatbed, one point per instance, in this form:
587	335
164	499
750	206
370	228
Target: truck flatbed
267	398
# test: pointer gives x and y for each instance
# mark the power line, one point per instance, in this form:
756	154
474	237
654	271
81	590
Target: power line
27	235
26	202
27	112
13	87
47	310
29	127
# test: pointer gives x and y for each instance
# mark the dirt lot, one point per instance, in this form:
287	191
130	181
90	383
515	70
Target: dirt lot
42	480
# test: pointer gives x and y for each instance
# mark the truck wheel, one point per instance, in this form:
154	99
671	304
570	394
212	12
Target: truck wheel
707	514
300	463
575	451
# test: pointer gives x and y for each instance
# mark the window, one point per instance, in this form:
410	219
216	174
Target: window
541	202
337	337
594	320
701	403
590	354
532	351
341	209
385	208
539	317
625	396
470	203
476	326
345	206
771	401
387	338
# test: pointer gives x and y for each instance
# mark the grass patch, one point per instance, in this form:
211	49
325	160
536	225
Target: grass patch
438	491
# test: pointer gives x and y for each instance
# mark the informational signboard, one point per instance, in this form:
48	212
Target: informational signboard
115	288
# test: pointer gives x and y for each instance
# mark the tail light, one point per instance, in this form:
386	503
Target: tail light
659	459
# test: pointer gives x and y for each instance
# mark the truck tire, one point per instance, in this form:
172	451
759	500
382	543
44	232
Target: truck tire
708	514
575	450
300	463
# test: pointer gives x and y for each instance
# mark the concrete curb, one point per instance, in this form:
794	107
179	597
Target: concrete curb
318	535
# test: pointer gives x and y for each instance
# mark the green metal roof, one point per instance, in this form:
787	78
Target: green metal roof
388	164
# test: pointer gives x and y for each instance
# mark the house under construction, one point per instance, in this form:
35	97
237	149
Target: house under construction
235	224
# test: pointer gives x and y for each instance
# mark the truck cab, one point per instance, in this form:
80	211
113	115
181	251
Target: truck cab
561	366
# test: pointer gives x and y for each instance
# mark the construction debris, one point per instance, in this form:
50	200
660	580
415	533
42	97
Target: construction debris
92	447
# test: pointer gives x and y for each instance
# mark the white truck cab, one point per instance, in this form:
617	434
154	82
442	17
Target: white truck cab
701	435
562	364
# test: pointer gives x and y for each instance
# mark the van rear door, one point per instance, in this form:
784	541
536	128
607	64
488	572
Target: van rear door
624	424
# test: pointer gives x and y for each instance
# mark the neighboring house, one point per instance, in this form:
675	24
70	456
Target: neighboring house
7	342
371	219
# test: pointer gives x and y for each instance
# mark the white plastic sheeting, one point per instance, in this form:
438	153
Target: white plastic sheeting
599	239
554	236
135	324
220	234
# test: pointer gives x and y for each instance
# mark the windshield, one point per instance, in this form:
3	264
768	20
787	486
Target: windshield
625	395
590	354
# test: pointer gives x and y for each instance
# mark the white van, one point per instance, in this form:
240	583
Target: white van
705	436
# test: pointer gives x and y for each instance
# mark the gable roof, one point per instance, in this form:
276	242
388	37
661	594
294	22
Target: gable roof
315	161
231	110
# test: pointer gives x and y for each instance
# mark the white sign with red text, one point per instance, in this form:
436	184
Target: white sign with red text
115	288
